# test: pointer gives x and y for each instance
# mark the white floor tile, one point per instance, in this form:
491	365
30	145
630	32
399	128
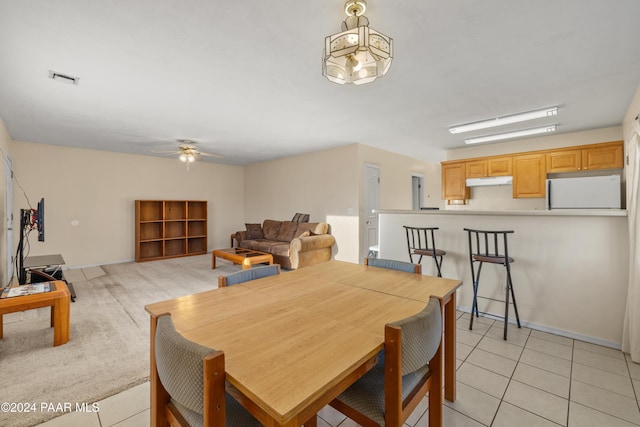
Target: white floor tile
539	402
610	403
125	405
547	362
509	416
474	403
450	418
605	363
582	416
553	338
594	348
483	380
74	419
602	379
492	362
500	347
543	380
549	347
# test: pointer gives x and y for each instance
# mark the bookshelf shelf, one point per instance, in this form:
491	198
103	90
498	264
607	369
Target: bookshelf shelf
170	228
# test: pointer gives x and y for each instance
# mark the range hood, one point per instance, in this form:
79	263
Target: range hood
491	180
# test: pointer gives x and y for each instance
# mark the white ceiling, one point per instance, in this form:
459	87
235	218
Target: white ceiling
243	78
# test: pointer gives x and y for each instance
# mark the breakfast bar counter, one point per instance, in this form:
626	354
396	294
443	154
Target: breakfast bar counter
570	276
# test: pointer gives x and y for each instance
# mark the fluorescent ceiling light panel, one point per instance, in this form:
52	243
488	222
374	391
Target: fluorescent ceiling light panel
509	135
505	120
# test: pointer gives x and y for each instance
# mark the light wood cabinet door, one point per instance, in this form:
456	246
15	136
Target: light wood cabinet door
564	161
476	168
529	175
606	156
454	186
500	166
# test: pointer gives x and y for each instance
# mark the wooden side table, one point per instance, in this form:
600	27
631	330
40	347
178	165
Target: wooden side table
59	301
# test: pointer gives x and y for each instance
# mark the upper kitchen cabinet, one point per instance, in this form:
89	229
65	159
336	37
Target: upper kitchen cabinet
529	175
454	185
488	166
476	168
608	155
603	156
500	166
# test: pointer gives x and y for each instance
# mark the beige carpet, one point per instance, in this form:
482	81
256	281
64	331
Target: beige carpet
108	349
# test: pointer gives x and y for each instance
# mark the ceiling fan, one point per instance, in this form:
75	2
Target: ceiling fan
188	153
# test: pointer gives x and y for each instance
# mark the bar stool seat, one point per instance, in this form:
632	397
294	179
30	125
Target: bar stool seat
421	241
491	246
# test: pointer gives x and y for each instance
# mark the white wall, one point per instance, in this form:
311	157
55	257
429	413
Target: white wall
98	188
570	272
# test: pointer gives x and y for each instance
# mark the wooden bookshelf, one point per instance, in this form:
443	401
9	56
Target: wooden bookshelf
170	228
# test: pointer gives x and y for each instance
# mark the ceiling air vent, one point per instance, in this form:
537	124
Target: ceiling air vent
64	78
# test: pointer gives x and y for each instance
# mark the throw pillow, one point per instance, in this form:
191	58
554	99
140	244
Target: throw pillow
305	233
254	231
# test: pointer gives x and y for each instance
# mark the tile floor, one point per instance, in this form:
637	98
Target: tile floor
533	379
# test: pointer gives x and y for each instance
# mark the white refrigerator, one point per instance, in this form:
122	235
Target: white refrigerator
594	192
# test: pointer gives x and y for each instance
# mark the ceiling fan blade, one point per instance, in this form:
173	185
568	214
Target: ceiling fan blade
219	156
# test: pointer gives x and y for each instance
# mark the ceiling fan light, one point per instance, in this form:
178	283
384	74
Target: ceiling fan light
183	157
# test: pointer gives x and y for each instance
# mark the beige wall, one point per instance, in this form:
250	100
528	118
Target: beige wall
329	185
5	140
96	191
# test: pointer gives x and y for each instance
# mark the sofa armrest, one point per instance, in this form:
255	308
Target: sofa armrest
240	236
310	243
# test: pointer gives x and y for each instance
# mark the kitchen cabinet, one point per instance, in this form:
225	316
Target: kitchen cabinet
586	158
529	175
603	156
488	166
564	161
500	166
454	186
476	168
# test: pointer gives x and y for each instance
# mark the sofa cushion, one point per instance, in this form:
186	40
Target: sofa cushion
287	231
306	226
254	231
272	247
270	229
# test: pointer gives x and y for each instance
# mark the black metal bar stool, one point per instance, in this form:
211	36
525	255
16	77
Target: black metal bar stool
421	241
486	246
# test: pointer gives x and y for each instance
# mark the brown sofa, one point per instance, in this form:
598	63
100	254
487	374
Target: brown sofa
292	244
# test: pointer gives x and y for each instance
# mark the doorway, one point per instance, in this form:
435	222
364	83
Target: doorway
417	193
371	203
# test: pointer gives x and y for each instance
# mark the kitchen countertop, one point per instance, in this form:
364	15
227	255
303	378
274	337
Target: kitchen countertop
554	212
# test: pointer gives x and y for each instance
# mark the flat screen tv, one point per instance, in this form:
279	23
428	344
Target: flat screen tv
40	220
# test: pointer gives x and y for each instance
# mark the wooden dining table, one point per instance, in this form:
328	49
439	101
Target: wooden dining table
296	340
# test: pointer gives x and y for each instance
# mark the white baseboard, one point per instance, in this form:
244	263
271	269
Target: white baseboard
560	332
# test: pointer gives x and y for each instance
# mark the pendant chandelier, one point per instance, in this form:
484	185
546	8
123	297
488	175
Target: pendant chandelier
358	54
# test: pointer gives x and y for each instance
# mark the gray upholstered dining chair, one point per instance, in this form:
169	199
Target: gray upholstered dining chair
390	391
394	265
249	274
194	377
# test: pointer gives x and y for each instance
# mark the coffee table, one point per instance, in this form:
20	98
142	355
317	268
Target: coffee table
59	301
245	257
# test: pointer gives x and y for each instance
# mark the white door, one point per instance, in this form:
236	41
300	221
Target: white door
9	218
371	202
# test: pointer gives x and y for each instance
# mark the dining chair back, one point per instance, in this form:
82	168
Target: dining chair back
249	274
394	265
390	392
194	378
